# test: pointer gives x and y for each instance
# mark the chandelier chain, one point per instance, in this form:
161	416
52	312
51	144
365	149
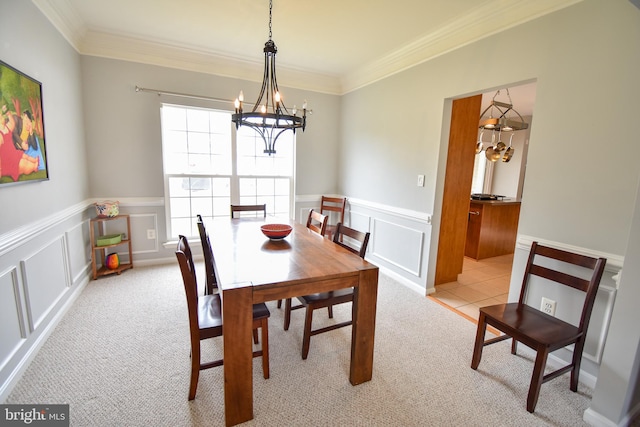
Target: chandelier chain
270	7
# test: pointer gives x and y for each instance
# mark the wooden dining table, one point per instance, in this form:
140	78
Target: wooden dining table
252	268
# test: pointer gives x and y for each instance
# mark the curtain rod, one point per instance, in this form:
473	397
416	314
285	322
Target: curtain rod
184	95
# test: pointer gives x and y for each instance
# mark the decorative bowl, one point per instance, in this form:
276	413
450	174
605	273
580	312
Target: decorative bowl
276	231
107	208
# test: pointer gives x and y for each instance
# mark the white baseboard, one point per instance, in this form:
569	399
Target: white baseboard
409	284
598	420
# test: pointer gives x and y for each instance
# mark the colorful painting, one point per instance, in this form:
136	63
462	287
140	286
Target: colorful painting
23	155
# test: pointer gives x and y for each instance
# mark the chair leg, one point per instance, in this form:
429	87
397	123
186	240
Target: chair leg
287	313
477	348
279	303
577	359
536	378
330	310
306	337
195	369
514	345
255	336
264	326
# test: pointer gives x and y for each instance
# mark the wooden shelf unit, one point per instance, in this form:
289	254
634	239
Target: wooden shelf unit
99	223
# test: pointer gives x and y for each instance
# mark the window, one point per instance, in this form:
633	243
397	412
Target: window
208	165
479	166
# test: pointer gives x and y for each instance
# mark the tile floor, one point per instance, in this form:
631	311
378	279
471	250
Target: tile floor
481	283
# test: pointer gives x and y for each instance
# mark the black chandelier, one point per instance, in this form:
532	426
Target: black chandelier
269	116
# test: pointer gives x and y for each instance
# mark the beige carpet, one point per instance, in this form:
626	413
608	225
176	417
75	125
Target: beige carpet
120	357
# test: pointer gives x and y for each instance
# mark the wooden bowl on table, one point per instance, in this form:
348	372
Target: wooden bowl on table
276	231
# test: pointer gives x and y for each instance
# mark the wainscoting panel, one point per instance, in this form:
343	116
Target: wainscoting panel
79	250
398	245
12	328
358	221
45	280
599	325
140	223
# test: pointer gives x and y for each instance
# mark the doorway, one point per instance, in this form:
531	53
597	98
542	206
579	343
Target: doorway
453	269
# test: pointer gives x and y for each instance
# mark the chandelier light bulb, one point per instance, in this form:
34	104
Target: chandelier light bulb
263	109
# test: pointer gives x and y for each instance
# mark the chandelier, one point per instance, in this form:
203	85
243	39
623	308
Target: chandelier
269	116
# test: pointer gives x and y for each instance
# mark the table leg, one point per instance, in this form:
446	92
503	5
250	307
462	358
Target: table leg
237	315
363	328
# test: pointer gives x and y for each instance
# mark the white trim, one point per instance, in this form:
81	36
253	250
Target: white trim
403	281
21	235
596	419
475	24
614	262
400	212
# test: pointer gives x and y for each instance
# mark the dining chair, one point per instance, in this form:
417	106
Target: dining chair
536	329
211	279
329	205
317	222
249	208
353	240
205	318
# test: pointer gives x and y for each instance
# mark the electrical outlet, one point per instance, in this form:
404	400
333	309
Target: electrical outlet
420	180
548	306
151	234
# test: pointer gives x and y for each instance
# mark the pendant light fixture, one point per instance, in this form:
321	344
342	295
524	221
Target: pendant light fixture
501	117
269	116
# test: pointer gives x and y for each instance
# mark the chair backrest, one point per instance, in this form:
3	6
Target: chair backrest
317	222
352	235
207	252
333	204
589	286
188	269
249	208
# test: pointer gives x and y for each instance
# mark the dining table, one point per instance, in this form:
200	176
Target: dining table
252	268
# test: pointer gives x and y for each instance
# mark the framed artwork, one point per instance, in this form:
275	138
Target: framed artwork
23	155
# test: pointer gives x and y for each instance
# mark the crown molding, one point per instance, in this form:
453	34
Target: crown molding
479	23
188	58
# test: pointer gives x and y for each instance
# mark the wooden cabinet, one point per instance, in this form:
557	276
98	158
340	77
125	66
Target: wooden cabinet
97	228
492	228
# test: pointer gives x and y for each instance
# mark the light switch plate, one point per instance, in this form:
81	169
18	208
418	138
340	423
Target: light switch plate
420	180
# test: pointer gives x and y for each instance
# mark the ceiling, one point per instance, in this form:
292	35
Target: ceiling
330	46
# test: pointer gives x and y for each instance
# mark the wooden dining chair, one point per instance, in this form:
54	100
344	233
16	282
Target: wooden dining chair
352	240
211	280
329	205
249	208
205	318
538	330
317	222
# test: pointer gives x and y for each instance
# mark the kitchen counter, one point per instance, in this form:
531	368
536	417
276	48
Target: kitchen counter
497	202
492	228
